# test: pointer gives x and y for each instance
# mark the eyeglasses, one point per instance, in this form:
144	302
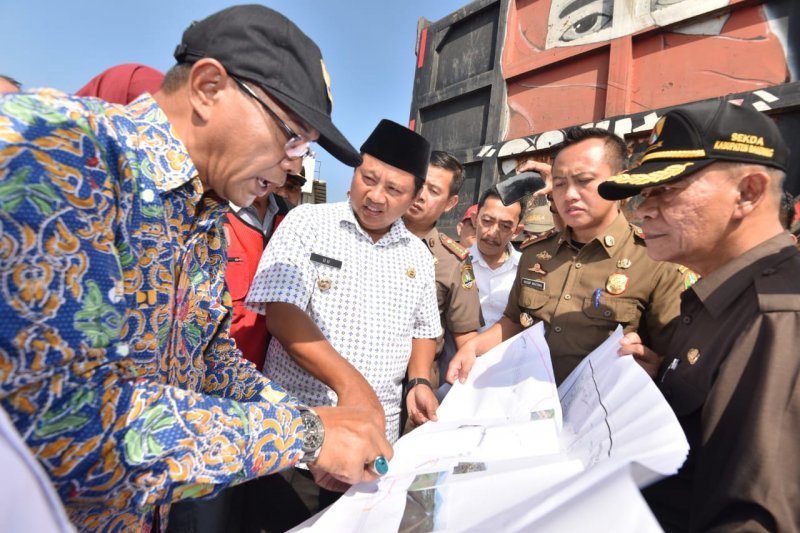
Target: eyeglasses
296	147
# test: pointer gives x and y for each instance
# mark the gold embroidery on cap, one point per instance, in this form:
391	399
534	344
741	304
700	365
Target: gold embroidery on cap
674	154
653	177
729	146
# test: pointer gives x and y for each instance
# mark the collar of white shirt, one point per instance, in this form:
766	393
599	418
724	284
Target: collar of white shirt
397	233
512	260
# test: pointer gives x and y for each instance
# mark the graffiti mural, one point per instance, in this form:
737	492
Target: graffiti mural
780	101
573	22
573	62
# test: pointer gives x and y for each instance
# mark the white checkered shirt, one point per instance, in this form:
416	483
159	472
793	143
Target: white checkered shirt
382	296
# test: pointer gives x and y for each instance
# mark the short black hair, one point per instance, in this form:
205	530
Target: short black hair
12	81
176	77
787	209
616	149
446	161
492	192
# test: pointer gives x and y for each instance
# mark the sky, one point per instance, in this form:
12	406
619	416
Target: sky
368	47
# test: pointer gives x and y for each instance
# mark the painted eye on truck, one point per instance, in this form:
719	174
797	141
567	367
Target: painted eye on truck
587	25
571	20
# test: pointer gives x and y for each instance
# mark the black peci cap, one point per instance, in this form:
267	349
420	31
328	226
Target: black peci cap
692	137
261	45
400	147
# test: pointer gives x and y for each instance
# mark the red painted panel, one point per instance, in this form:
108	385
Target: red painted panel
653	68
669	68
570	92
423	40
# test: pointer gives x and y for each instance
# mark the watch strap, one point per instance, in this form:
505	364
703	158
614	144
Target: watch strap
418	381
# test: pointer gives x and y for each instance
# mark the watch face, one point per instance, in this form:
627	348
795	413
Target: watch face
314	432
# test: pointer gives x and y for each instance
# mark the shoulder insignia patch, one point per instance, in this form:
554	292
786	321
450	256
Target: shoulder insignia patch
538	238
467	276
453	247
690	277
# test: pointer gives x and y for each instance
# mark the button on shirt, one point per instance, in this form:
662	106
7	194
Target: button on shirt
494	285
368	298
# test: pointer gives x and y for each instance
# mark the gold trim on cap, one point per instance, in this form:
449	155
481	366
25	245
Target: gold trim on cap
674	154
653	177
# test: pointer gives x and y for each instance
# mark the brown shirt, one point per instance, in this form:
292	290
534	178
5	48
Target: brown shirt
582	294
456	288
731	376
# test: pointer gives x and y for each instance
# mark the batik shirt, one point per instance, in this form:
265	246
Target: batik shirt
115	362
369	299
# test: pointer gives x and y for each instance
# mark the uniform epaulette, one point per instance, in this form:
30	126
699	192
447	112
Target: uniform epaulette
689	276
454	248
537	238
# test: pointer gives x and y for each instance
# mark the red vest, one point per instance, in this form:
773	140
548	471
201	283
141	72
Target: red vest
245	245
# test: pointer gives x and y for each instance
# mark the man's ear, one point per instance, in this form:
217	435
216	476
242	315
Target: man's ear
451	203
752	189
458	227
207	81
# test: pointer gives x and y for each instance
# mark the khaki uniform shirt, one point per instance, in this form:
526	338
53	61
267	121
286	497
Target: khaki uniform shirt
456	288
581	295
731	376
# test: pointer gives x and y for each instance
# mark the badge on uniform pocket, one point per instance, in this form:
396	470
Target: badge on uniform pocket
537	284
617	283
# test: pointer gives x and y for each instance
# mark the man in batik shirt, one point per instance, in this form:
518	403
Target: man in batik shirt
116	366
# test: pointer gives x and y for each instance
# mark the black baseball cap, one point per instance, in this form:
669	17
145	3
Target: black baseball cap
299	177
690	138
261	45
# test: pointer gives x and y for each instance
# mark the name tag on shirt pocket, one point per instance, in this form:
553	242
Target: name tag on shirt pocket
322	260
537	284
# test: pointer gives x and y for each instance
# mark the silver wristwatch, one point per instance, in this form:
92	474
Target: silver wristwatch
314	435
